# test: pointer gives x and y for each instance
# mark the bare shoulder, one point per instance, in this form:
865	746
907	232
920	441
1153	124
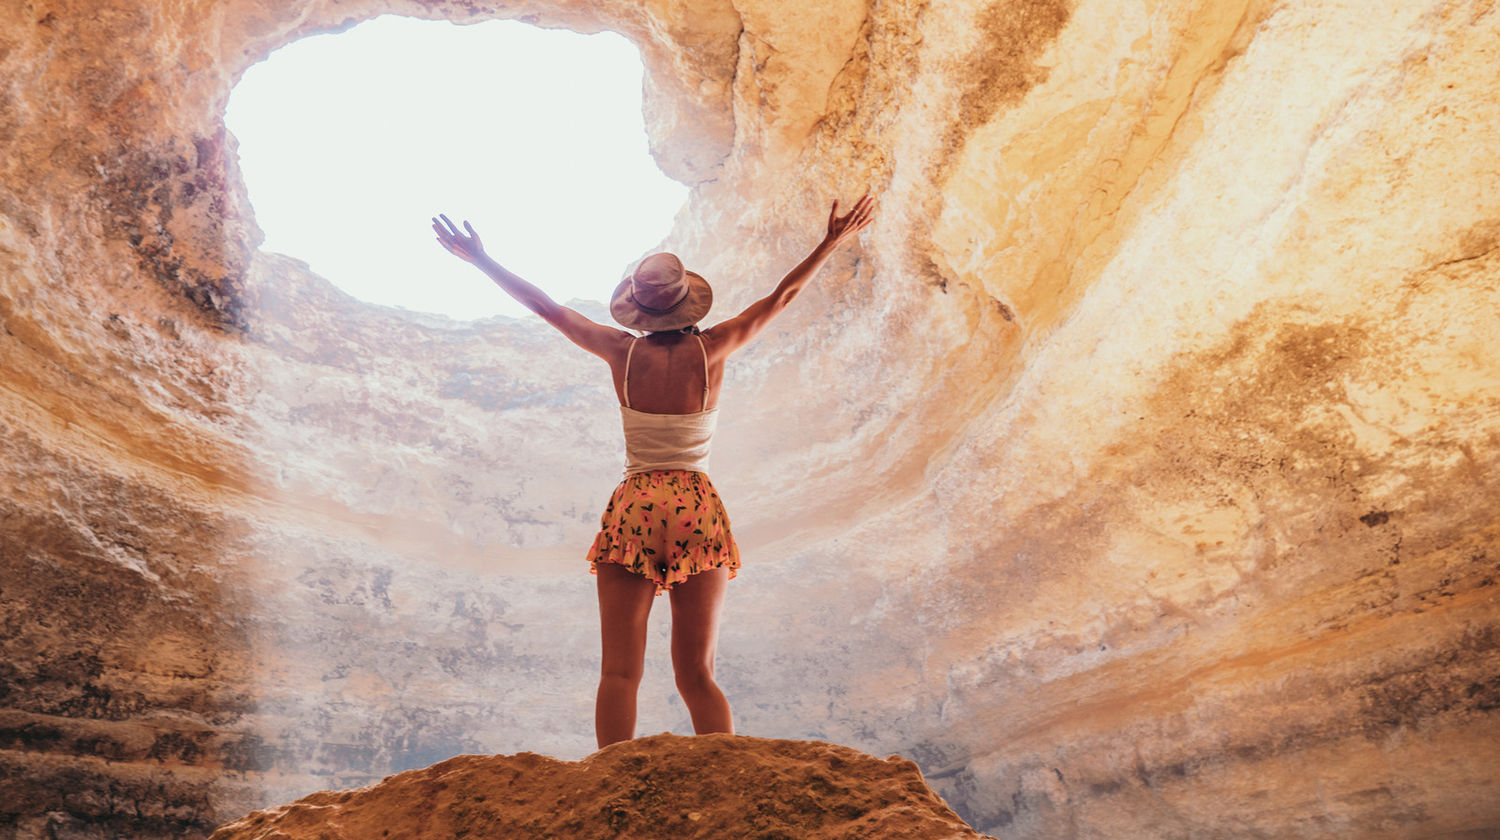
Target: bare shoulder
717	344
606	342
616	344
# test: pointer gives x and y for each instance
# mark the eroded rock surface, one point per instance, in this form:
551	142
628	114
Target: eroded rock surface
1136	475
662	786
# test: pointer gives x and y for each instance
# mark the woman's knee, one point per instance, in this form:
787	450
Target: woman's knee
694	678
623	672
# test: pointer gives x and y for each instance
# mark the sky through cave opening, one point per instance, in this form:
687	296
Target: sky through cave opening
349	143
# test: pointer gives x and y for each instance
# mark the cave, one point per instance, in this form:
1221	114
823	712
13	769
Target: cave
1134	476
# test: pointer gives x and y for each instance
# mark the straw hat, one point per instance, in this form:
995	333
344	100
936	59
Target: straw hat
661	295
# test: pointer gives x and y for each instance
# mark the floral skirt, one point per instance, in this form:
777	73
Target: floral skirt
665	525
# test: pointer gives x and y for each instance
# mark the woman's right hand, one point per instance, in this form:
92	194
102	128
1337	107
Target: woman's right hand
843	227
467	248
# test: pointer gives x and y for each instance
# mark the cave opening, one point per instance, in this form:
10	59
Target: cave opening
350	142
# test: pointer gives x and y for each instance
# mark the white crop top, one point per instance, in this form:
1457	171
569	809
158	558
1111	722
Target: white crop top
667	441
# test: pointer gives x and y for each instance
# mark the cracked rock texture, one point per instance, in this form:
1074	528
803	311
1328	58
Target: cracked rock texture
1136	475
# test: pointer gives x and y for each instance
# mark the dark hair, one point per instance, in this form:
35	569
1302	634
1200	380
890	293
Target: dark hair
691	329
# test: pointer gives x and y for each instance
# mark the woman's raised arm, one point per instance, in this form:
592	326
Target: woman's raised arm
596	338
735	333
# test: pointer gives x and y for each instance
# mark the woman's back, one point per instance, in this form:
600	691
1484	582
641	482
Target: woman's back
666	374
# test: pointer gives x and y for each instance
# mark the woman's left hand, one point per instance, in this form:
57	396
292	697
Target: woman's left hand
845	227
467	248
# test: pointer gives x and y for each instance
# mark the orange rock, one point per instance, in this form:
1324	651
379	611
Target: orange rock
710	786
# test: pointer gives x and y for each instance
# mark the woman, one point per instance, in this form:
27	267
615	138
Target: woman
664	529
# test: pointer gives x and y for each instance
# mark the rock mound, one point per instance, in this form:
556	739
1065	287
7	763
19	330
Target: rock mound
711	786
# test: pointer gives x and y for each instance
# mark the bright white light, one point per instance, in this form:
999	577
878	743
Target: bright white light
349	143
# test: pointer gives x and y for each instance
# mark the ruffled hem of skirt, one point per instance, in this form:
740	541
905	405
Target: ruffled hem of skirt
680	565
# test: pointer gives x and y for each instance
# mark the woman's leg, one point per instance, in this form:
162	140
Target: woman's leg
696	603
624	605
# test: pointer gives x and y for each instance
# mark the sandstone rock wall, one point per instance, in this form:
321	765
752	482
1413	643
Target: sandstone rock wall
1135	475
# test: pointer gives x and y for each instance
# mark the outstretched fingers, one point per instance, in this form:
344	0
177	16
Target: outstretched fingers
856	219
464	247
449	229
861	208
864	211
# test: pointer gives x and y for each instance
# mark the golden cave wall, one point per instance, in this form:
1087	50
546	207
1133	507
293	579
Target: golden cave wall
1134	476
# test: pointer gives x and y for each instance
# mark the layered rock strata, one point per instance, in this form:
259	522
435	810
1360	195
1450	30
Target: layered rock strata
1136	475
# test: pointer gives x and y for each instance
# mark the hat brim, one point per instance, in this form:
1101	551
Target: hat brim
689	311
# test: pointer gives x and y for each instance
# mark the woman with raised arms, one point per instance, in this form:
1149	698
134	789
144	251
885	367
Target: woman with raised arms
664	529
